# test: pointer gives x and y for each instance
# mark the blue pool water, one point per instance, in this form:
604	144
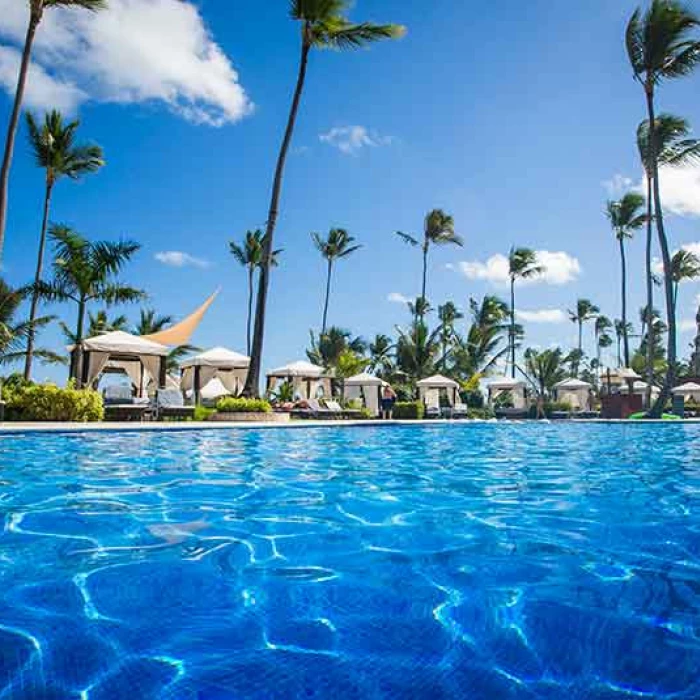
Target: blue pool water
471	561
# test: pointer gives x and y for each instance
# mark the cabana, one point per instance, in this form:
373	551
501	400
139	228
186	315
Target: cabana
689	391
575	392
511	386
439	384
639	388
229	367
143	360
366	387
307	380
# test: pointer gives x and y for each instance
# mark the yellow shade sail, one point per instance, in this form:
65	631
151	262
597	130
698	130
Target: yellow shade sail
181	332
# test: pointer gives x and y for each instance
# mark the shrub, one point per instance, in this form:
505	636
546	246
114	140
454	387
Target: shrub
48	402
202	412
409	410
230	404
480	413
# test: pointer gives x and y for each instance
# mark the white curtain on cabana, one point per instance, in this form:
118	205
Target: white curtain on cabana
231	381
151	363
371	399
97	362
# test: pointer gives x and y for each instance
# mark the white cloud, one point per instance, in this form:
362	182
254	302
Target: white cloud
351	139
543	316
617	185
137	51
657	265
397	298
687	325
559	268
176	258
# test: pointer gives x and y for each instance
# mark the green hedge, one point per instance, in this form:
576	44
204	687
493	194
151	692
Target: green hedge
48	402
229	404
409	410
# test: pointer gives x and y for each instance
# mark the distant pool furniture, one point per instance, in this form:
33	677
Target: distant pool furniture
314	410
341	412
169	403
575	392
142	360
366	388
459	410
308	381
512	389
432	389
227	366
121	406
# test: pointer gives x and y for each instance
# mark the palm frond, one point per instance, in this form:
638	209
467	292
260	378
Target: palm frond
407	238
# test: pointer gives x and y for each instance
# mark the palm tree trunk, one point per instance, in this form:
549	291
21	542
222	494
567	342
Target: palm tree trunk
512	327
650	297
328	296
14	121
669	382
76	354
37	278
251	273
625	338
425	277
252	383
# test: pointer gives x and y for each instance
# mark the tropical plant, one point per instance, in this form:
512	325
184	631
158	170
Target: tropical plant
250	255
522	264
486	341
438	229
14	332
284	393
323	25
661	45
545	368
36	13
84	272
55	150
337	245
417	351
48	402
381	355
601	327
625	218
448	314
585	311
326	350
150	322
673	149
98	323
685	265
233	404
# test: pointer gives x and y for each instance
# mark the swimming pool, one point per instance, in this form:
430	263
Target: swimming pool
476	561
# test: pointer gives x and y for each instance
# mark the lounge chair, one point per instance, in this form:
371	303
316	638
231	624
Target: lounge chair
512	413
121	406
459	410
341	412
169	403
313	409
432	404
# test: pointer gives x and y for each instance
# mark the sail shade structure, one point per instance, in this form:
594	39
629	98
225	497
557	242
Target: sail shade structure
181	332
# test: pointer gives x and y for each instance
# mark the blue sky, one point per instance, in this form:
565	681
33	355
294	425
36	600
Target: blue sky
518	119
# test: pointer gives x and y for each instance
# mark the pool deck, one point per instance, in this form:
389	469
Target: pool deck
10	428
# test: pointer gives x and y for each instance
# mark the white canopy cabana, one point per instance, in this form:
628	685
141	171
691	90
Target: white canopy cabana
229	367
439	383
508	385
141	359
689	390
639	388
366	387
308	380
575	392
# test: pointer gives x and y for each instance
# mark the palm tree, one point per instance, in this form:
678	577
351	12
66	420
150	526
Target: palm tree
323	25
585	311
338	245
36	13
622	330
695	357
674	149
448	314
522	264
685	265
661	46
601	327
417	351
381	359
55	151
84	272
327	349
625	218
438	229
150	322
13	332
545	368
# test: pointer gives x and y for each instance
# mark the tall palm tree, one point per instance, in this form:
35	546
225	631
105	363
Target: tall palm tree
338	245
545	368
326	350
448	314
381	355
685	265
36	13
601	327
55	150
323	25
586	310
661	46
438	229
522	264
625	218
150	322
14	332
673	149
622	330
84	272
